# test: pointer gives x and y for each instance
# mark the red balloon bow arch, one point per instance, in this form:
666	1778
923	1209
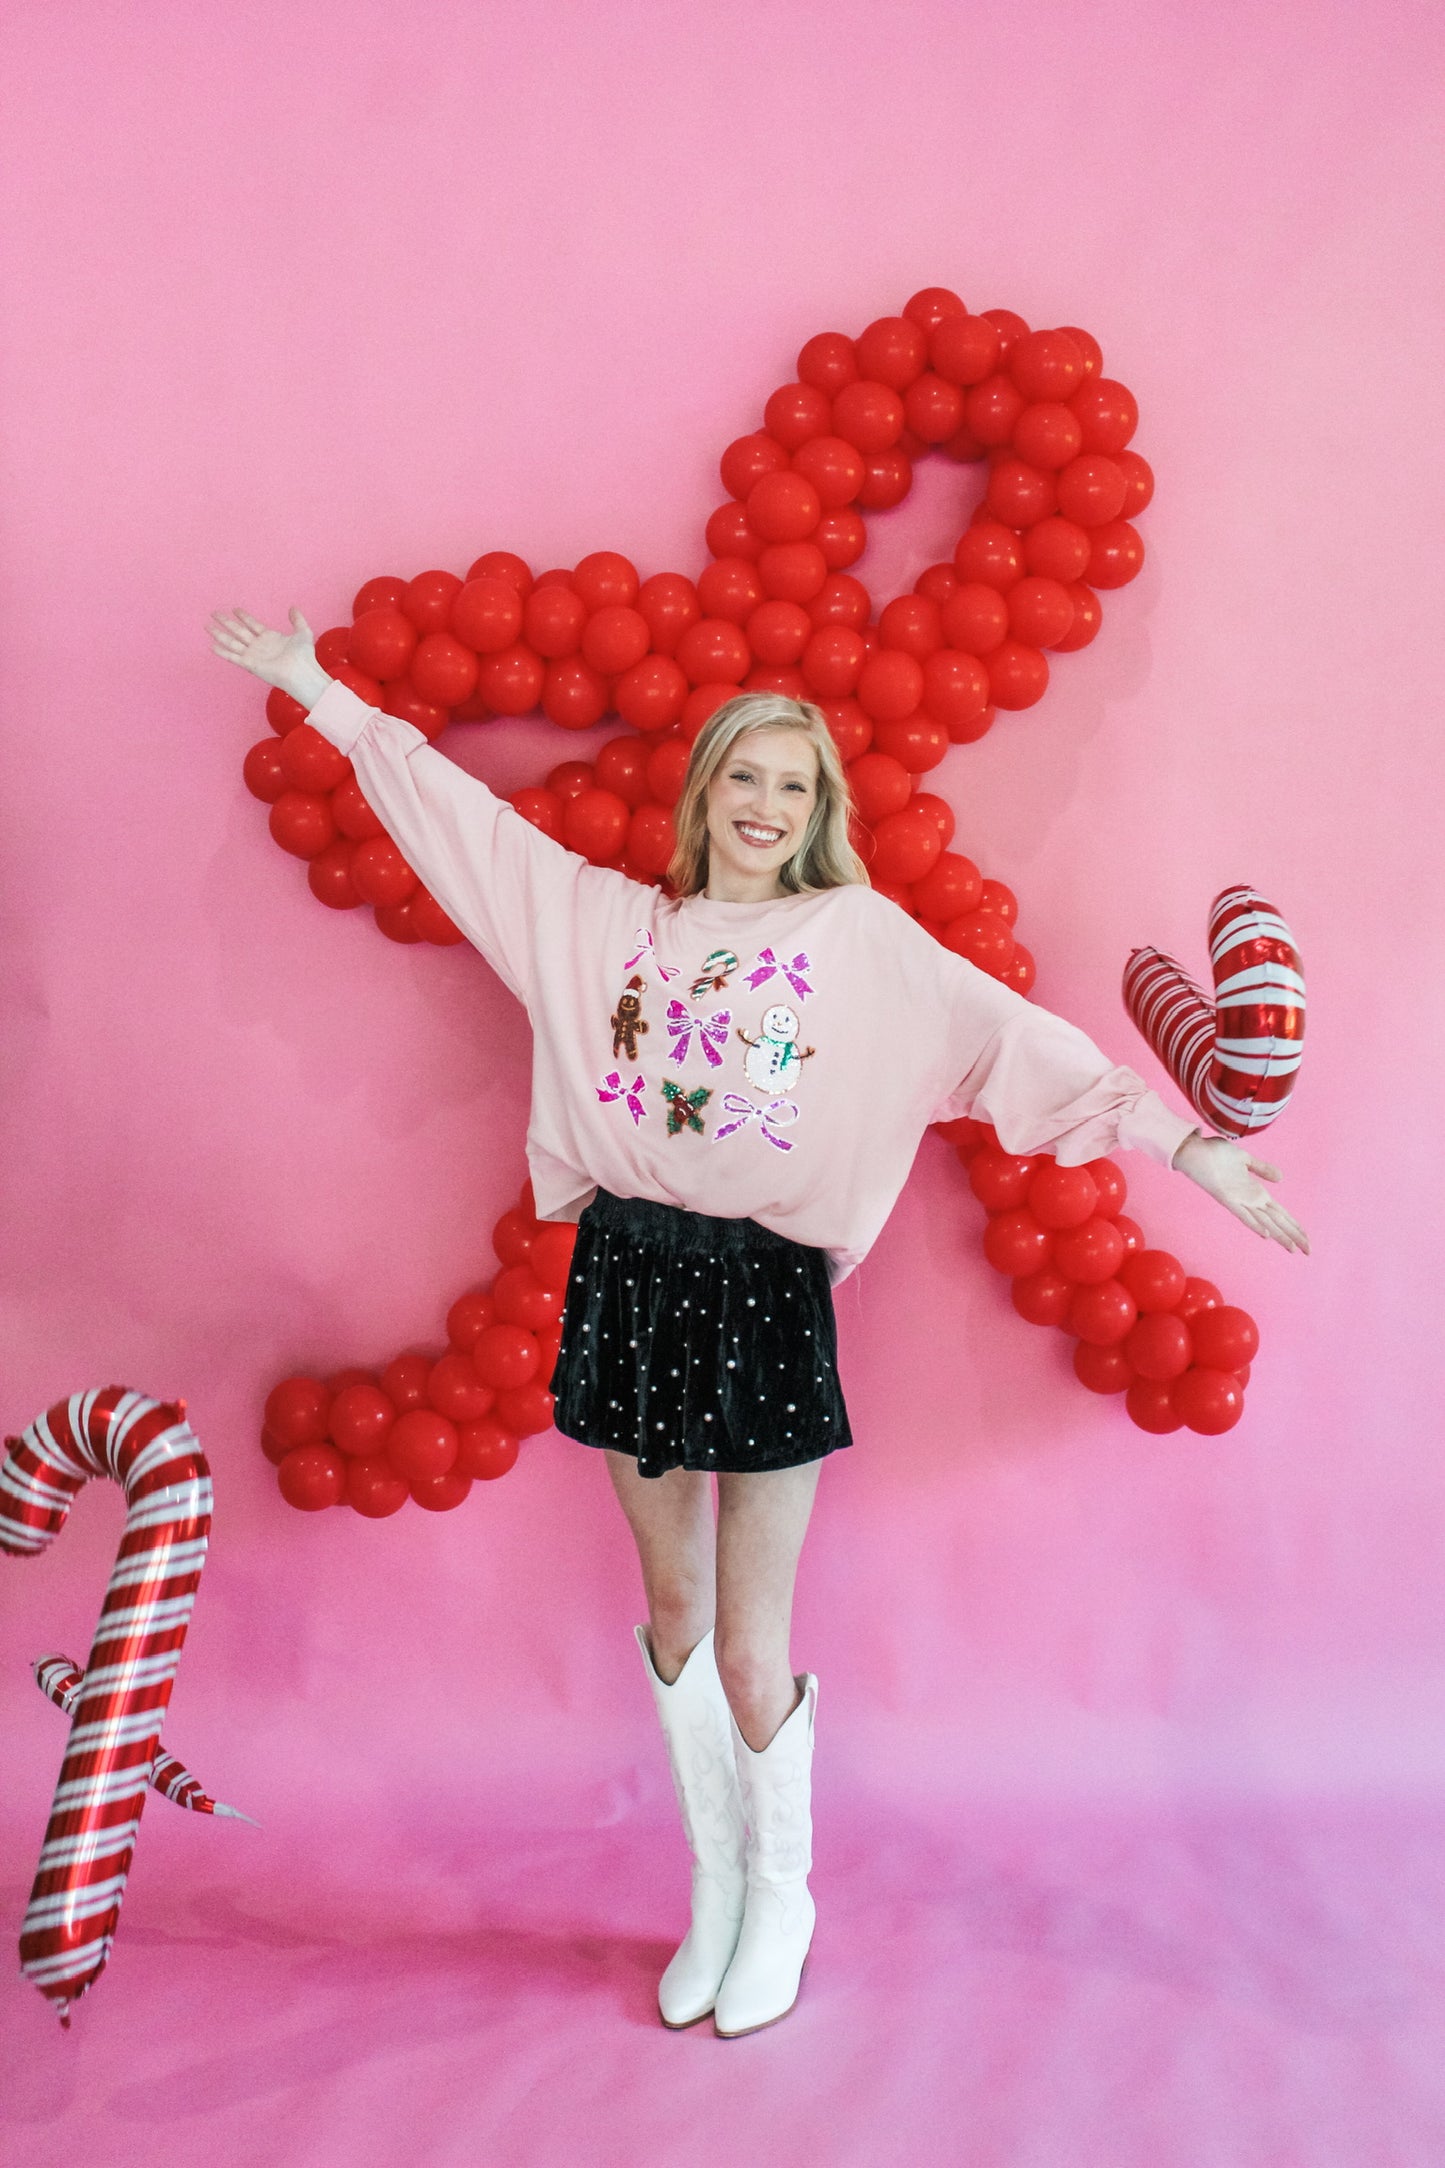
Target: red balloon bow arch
775	608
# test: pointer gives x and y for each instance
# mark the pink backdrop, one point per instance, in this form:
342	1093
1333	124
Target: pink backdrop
301	294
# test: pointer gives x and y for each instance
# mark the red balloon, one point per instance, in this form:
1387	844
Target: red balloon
1209	1401
505	1356
893	351
890	685
361	1416
748	459
905	847
830	361
1088	616
444	670
404	1380
881	785
606	579
312	1477
487	614
301	823
1014	1243
991	410
351	813
1062	1196
1091	490
614	639
1198	1295
382	642
1057	549
379	873
783	508
428	599
297	1410
1132	1232
1111	1185
503	565
964	349
521	1299
595	825
981	937
1150	1407
950	889
975	617
835	469
374	1489
511	682
1046	365
486	1451
552	621
933	408
469	1317
1018	675
525	1409
651	840
329	876
1091	1252
384	593
1001	1180
666	770
713	652
1040	612
1225	1338
441	1493
1018	494
421	1444
915	741
455	1390
1043	1297
868	415
1107	413
668	602
550	1256
991	555
1047	436
262	771
1116	555
1101	1311
796	412
652	694
431	921
310	762
574	695
1101	1369
1155	1279
1159	1346
792	571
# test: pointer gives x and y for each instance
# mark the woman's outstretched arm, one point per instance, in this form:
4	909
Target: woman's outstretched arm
1045	1086
491	871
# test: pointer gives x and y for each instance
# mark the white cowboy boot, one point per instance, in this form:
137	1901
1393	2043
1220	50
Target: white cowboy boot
762	1980
696	1723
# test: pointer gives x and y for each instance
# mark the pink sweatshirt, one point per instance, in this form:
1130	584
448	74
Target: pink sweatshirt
776	1061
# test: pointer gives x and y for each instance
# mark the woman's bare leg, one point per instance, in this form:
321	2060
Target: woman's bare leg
762	1520
672	1525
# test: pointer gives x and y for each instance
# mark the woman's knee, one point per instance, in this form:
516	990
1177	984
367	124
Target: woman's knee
748	1664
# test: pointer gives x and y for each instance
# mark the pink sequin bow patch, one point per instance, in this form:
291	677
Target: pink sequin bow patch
776	1114
646	948
711	1031
768	965
612	1087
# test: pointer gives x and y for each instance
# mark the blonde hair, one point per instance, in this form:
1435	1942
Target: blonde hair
825	858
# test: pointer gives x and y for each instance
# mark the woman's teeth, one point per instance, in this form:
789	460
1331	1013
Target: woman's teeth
762	837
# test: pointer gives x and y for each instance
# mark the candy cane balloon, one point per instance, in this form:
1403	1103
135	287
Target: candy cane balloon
147	1447
60	1680
1236	1057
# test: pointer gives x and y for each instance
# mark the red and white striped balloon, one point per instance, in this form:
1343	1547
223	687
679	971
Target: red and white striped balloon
147	1447
60	1680
1235	1058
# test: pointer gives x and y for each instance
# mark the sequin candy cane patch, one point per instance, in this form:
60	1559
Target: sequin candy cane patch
612	1087
768	965
776	1114
712	1032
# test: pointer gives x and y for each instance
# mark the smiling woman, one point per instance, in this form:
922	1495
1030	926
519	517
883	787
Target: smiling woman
765	805
797	1032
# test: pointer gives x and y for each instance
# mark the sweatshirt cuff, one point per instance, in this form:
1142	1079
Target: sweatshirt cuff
1151	1128
340	715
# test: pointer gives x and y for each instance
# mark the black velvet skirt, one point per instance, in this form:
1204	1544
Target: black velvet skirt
695	1342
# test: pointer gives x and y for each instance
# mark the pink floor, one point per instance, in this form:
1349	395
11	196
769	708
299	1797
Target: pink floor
1216	1989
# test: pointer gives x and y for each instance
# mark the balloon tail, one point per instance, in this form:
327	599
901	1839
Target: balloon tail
234	1814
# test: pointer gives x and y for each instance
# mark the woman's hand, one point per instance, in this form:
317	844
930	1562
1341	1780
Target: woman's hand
1228	1172
286	660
